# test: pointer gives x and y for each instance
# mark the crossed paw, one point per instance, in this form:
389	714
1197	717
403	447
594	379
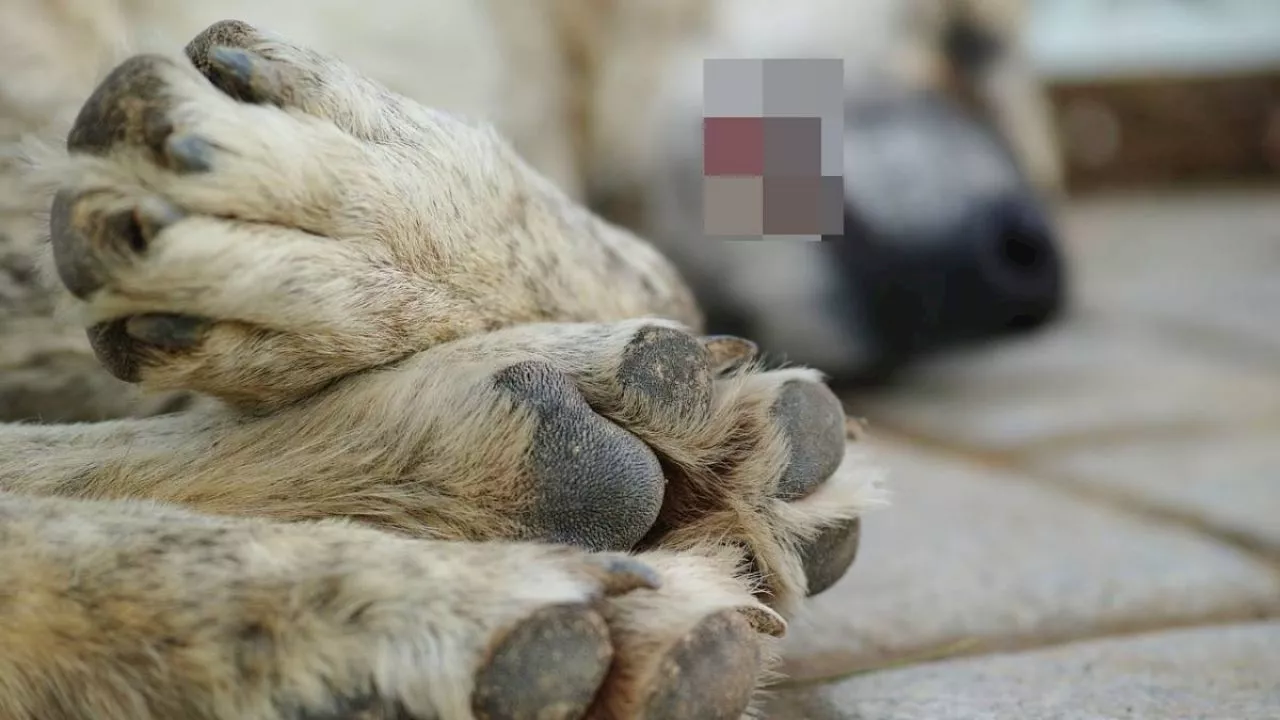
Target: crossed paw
264	225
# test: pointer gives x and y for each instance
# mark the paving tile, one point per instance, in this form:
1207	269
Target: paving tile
1229	479
1174	296
971	559
1208	673
1086	377
1208	260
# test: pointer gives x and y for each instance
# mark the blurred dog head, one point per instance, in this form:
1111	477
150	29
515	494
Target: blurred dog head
950	168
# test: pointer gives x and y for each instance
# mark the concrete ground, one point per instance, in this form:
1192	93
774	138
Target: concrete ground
1086	523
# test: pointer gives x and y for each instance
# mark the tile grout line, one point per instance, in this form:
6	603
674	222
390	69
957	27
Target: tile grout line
1118	435
964	649
1007	461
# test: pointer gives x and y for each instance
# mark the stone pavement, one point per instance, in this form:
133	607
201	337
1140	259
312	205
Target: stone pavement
1085	523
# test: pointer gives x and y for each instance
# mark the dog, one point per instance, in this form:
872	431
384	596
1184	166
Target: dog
464	449
604	99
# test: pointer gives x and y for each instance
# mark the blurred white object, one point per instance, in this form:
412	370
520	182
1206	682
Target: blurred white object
1086	39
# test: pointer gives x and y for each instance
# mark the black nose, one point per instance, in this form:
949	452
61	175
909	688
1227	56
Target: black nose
1019	274
996	272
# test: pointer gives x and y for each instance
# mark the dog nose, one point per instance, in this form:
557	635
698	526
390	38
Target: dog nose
1018	271
995	271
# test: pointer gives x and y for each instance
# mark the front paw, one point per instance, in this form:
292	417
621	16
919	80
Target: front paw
240	249
144	613
639	434
256	219
754	459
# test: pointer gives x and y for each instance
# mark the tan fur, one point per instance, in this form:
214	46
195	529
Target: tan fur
394	311
583	90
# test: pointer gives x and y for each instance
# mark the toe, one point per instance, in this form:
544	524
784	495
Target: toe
167	331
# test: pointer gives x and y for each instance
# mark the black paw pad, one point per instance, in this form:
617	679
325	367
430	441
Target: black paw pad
78	265
670	368
129	107
115	350
596	486
548	668
830	555
711	674
82	236
812	418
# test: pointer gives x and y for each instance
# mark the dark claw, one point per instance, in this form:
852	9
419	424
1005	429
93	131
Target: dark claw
169	332
241	74
189	153
235	64
624	574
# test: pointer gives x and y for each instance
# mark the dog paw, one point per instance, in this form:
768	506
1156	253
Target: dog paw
256	219
188	616
641	434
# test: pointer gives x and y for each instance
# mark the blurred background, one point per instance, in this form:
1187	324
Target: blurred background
1056	303
1087	520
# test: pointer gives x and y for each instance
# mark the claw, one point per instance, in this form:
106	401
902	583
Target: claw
764	620
151	216
189	153
622	574
171	332
244	75
728	351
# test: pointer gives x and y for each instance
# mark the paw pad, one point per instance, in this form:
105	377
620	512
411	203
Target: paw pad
670	368
549	667
828	557
596	485
812	419
83	237
691	685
